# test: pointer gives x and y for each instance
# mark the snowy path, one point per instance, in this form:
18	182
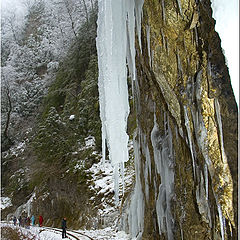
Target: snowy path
70	234
47	233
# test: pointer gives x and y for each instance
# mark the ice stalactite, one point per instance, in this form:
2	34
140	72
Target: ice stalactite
138	14
147	170
179	6
206	179
187	124
164	160
116	46
136	212
163	39
221	220
201	133
202	201
148	45
163	11
217	108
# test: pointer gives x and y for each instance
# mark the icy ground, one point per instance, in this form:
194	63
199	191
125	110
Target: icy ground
40	233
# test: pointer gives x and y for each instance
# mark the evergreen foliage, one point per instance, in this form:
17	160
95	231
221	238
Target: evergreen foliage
74	92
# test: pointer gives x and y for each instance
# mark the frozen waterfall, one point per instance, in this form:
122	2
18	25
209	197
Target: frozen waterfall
116	49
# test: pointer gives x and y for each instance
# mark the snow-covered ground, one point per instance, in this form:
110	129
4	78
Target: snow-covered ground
41	233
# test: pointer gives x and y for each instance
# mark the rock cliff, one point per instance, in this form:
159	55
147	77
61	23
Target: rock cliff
186	118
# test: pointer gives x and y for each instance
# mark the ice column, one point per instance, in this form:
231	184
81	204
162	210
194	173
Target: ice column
137	206
164	160
115	46
217	107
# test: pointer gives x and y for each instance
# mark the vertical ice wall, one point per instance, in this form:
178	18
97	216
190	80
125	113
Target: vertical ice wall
116	46
164	160
137	206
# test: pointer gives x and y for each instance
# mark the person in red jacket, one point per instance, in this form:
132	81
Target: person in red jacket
40	221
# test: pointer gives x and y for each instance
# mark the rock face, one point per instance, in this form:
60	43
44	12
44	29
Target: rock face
187	126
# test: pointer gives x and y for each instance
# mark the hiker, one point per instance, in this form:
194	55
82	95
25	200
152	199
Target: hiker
25	222
14	220
33	220
40	221
20	221
28	223
64	226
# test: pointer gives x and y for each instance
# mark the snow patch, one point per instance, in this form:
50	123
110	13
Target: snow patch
90	141
72	117
5	202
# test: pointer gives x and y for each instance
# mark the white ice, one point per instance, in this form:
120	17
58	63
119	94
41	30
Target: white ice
115	46
164	160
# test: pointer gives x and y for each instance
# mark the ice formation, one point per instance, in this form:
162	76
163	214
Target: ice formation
187	124
219	121
137	207
116	46
27	207
164	160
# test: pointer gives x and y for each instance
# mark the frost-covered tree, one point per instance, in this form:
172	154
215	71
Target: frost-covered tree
32	50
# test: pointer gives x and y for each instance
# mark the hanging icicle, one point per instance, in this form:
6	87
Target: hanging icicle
116	45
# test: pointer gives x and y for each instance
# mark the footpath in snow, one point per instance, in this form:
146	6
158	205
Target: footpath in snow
42	233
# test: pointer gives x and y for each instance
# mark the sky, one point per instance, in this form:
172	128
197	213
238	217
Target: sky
226	14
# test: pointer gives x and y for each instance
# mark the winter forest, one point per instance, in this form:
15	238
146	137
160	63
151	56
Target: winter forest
118	117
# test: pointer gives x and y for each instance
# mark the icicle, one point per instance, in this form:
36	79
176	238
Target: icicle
146	181
179	6
148	44
103	145
163	39
115	45
138	14
221	220
155	140
113	88
196	36
219	121
136	213
148	159
163	158
206	179
187	124
209	69
147	170
131	39
146	153
202	200
163	11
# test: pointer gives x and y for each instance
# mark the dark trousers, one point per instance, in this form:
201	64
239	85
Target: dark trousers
64	233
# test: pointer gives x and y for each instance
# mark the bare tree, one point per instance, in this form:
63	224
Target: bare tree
69	11
10	24
6	107
85	8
